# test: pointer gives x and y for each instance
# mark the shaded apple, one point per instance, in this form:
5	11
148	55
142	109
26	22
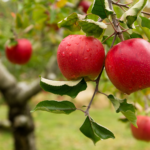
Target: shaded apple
128	65
143	130
80	56
19	53
85	5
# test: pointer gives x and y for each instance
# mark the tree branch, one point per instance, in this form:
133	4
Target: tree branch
28	90
115	22
125	5
6	79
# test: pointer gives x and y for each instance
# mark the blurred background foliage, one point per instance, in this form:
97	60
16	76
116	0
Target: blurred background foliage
37	21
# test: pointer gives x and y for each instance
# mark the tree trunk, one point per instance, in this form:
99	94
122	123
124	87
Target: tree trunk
17	96
22	127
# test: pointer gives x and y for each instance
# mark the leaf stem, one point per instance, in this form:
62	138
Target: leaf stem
80	109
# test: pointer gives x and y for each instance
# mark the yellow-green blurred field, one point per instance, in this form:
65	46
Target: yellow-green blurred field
60	132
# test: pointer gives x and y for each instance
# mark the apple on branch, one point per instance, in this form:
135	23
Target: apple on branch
80	56
128	65
20	53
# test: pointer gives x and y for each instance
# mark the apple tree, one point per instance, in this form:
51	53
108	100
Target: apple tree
81	59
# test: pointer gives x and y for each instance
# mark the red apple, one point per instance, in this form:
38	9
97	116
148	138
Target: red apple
20	53
128	65
143	130
85	5
80	56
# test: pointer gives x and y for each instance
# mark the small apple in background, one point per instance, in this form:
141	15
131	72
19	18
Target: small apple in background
143	130
80	56
85	5
128	65
19	53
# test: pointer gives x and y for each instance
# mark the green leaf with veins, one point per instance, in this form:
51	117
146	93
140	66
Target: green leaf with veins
135	35
58	107
131	14
71	22
18	21
76	22
128	110
145	30
101	8
70	88
95	131
92	28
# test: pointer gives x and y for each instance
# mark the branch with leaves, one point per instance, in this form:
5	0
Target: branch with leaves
94	24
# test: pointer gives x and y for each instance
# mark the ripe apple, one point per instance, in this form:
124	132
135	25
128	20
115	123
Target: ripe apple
128	65
85	5
20	53
80	56
143	130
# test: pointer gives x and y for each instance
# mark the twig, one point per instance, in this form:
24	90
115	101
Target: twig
108	37
96	90
124	29
80	109
115	22
113	40
125	5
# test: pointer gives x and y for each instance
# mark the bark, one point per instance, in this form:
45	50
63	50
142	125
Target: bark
17	95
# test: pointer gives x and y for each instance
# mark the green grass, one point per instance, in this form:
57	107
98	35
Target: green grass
60	132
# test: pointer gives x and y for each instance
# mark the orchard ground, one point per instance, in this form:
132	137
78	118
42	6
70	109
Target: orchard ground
62	131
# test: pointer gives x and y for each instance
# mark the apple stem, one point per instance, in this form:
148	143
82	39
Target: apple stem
96	90
15	34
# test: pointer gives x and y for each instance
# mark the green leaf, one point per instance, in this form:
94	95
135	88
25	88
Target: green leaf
88	131
58	107
101	131
128	110
135	35
101	8
145	30
71	22
39	14
70	88
93	17
11	42
145	22
92	28
131	14
114	101
95	131
19	23
53	14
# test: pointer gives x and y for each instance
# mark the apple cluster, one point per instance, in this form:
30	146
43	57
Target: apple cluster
127	64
